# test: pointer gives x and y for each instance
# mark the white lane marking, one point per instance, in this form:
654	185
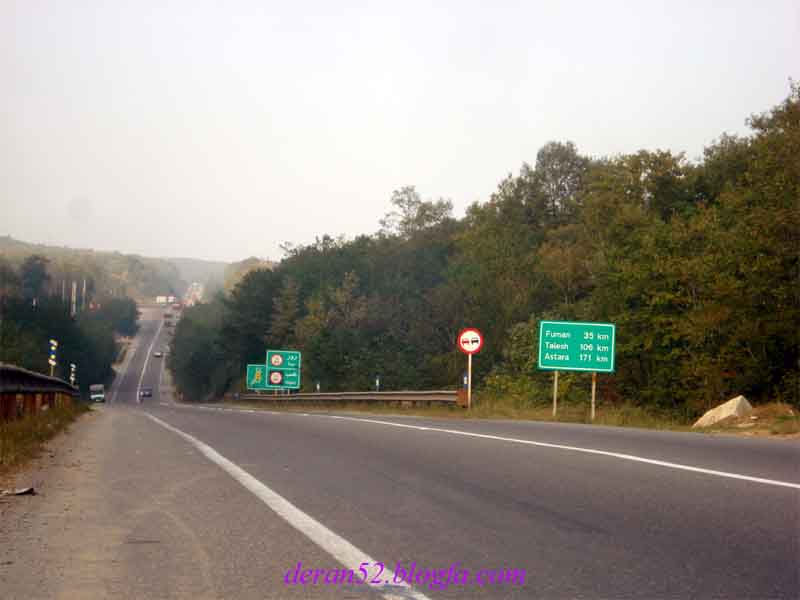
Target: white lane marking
631	457
146	360
118	377
338	547
619	455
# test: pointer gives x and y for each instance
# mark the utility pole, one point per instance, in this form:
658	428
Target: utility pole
83	296
73	304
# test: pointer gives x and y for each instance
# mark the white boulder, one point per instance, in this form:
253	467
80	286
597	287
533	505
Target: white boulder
737	407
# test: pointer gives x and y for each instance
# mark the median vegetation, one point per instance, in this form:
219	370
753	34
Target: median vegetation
696	262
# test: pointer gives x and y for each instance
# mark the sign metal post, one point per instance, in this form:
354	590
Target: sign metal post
555	393
575	346
470	341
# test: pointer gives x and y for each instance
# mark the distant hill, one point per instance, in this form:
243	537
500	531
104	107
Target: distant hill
114	273
234	272
203	271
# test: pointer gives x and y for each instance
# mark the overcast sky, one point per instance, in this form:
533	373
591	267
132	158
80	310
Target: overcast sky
221	129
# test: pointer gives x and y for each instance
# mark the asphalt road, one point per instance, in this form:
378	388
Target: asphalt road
232	500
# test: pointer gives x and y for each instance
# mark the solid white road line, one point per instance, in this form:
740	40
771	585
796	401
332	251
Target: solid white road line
631	457
338	547
618	455
118	377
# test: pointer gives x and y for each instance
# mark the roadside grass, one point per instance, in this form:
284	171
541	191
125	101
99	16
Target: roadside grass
624	415
22	439
785	425
781	418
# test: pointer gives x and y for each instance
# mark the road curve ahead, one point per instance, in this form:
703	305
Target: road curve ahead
585	511
193	502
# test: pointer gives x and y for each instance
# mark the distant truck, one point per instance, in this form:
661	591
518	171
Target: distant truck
97	392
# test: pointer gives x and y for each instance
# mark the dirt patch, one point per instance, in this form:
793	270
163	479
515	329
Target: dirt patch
774	419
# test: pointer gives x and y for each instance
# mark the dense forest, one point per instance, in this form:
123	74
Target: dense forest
695	262
30	316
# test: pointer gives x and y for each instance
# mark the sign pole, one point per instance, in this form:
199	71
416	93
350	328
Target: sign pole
470	341
594	389
555	393
469	381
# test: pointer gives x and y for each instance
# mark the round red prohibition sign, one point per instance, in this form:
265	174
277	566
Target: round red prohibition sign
276	360
470	341
276	378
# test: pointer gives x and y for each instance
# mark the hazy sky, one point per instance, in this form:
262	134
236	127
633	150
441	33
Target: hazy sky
221	129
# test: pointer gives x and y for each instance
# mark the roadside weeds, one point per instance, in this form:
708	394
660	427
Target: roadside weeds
23	439
772	420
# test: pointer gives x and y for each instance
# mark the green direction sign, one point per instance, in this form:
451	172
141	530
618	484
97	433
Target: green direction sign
567	346
283	379
283	359
283	370
256	377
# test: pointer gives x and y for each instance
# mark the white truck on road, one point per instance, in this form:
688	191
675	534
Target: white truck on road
97	392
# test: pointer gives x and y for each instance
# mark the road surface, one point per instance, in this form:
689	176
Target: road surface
170	501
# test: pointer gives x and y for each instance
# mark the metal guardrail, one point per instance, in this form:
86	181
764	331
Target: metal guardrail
17	380
27	392
441	397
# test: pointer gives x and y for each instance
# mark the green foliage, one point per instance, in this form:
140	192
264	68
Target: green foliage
121	314
26	330
235	272
34	276
197	358
28	322
412	214
696	264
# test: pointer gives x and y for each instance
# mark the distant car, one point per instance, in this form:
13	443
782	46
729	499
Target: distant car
146	392
158	354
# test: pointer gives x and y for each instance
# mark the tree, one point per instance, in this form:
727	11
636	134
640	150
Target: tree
247	319
34	276
9	280
560	173
286	308
412	214
121	313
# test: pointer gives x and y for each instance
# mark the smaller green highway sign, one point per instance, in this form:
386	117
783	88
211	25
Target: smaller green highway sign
256	377
569	346
283	359
283	370
283	379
